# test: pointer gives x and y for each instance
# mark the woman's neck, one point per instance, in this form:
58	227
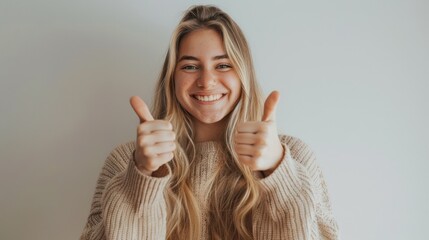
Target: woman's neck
209	131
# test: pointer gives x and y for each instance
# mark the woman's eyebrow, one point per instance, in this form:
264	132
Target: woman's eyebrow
187	57
220	57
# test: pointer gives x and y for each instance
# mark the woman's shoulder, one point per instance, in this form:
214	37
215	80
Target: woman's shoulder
299	149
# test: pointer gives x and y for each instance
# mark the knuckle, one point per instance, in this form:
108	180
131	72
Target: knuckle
144	128
140	142
257	154
140	129
263	135
262	141
236	136
173	135
143	140
165	124
263	127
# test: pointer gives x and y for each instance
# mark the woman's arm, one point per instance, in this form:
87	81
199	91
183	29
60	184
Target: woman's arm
296	203
127	204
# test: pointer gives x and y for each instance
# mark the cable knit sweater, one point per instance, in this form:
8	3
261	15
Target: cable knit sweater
130	205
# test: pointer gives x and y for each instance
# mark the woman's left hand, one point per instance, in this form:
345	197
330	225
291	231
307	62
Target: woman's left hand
257	143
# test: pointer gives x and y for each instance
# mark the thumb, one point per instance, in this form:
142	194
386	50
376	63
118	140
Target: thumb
141	109
270	106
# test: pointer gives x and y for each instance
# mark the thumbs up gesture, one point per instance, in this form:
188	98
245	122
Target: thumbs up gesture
155	142
257	143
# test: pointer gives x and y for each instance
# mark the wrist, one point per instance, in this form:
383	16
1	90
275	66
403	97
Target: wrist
269	171
140	167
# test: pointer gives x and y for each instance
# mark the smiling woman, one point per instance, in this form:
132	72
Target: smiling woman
206	84
209	163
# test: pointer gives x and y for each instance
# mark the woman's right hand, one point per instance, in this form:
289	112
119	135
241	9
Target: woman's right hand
155	142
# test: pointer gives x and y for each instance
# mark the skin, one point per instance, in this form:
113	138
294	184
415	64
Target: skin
155	139
203	69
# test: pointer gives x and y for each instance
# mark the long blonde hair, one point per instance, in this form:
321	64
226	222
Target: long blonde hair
234	191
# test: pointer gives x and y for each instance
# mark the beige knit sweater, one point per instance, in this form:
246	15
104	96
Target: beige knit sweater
130	205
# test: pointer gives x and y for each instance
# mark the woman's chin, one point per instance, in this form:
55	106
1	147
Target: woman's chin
209	120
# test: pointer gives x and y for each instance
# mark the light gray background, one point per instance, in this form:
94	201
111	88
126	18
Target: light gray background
353	77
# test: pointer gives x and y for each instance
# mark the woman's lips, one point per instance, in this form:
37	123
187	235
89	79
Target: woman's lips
208	98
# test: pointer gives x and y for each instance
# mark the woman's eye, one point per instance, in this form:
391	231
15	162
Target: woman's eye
189	67
224	66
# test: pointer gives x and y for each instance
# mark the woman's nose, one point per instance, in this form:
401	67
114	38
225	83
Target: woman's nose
206	79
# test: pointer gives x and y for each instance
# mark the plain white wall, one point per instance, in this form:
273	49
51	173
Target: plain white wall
353	77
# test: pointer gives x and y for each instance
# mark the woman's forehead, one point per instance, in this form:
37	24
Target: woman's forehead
203	43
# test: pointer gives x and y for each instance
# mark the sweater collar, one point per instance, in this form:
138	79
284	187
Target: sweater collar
208	146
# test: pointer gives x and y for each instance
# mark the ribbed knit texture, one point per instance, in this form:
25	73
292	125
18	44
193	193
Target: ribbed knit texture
130	205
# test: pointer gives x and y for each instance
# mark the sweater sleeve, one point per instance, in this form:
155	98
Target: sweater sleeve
296	203
127	204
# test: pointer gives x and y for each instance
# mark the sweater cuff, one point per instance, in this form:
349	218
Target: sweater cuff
145	191
284	181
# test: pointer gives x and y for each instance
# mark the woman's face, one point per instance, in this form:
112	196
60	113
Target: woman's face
206	84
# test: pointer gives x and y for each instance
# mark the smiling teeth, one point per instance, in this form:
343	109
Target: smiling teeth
208	98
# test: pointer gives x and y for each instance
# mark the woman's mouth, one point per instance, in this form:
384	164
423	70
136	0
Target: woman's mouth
208	98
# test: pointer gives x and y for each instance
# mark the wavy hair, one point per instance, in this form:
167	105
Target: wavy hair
234	192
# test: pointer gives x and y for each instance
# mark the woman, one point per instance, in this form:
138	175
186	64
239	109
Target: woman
209	163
